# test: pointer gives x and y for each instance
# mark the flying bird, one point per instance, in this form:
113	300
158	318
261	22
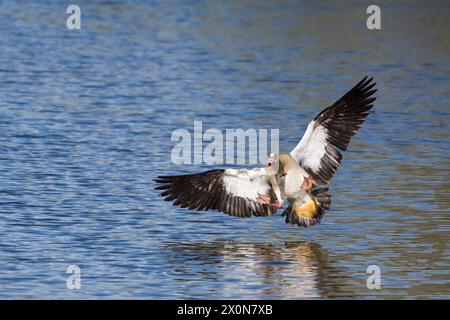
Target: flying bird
299	177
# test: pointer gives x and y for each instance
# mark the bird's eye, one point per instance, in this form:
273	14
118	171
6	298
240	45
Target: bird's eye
269	164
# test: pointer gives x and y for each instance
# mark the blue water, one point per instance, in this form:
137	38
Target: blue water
86	124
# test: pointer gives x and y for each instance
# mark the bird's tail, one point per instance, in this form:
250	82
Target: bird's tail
310	213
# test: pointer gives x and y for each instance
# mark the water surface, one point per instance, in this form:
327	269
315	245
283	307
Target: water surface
86	123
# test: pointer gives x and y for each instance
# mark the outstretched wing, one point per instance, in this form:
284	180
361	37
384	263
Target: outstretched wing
330	131
234	192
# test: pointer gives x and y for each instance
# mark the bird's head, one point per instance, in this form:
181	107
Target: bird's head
273	163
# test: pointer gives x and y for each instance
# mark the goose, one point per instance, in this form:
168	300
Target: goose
299	177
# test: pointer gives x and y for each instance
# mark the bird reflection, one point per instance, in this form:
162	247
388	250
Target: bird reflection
288	270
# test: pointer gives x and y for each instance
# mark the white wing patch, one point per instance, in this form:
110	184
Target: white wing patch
311	148
246	183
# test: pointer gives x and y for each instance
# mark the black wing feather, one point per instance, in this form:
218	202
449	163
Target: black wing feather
342	120
347	114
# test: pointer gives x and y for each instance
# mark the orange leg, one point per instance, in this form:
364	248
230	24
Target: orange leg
307	183
266	200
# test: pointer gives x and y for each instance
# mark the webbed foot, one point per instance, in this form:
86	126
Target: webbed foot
307	183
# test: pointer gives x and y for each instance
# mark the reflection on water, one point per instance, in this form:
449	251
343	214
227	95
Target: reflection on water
292	270
86	123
